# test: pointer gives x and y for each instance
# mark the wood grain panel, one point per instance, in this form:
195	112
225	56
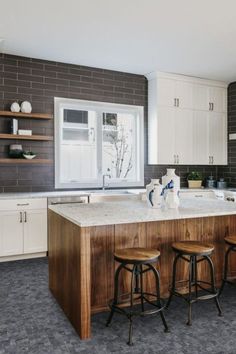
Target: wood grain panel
69	271
102	266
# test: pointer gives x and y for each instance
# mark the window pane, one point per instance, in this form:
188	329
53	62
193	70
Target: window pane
78	147
119	145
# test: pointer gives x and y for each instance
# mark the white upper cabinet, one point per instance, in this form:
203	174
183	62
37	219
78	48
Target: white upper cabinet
217	99
187	120
166	141
200	138
174	93
217	134
184	136
166	92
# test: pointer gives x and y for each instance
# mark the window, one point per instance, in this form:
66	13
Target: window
93	139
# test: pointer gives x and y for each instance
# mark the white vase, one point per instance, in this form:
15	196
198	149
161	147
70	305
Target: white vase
15	107
171	176
172	199
154	194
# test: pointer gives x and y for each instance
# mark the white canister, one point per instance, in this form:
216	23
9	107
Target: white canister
155	194
171	176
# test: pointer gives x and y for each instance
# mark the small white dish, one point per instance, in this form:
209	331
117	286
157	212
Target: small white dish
29	157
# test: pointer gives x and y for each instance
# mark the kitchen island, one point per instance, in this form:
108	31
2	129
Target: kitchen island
83	238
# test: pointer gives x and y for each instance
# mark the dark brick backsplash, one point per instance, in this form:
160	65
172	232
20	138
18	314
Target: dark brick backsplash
229	172
39	81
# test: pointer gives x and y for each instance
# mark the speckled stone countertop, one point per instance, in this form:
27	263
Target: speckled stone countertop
122	212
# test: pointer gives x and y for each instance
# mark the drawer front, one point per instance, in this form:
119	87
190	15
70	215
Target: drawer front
23	204
197	195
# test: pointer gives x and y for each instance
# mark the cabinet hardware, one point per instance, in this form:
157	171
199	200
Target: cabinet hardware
25	215
23	204
209	106
177	159
212	106
174	102
21	219
174	159
177	102
212	158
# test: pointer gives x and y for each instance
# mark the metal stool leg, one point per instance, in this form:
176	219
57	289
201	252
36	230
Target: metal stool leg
209	260
141	287
224	280
172	290
159	304
116	292
191	267
134	272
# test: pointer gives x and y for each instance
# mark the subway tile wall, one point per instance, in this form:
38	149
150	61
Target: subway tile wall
39	81
229	172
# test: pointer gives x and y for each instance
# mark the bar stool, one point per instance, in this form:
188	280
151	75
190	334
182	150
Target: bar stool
140	260
231	242
194	252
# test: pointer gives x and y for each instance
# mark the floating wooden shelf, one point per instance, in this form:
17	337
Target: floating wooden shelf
26	137
26	115
25	161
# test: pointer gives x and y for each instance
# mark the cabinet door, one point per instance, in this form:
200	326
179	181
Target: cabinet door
166	92
166	135
184	93
218	138
201	97
184	136
11	233
35	231
200	138
217	96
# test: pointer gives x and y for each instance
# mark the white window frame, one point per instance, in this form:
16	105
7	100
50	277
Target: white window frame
100	107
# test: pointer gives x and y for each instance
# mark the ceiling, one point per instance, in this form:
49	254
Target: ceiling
138	36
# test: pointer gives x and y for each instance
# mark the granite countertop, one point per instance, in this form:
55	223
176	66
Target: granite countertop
84	192
122	212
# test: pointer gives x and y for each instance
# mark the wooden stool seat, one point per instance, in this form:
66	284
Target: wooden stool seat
193	247
133	255
231	240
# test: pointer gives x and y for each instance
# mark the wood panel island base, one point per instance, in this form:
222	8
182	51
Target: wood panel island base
81	264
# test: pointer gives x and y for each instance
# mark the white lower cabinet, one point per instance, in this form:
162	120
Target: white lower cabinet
11	233
24	230
35	231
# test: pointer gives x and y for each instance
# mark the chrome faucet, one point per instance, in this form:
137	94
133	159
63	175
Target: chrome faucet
104	180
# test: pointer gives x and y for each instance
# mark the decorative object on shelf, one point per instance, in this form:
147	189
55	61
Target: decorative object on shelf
210	182
15	107
15	151
221	184
14	126
155	194
26	107
194	180
171	176
29	155
25	132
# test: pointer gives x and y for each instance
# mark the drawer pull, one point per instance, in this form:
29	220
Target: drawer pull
198	196
21	219
25	216
23	204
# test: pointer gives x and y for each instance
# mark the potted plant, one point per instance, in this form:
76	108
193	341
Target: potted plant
194	179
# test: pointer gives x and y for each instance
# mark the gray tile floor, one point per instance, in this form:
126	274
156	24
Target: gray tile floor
32	322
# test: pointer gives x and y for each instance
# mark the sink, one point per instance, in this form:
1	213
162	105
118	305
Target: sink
110	192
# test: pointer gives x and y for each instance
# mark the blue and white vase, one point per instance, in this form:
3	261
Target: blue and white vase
171	183
155	194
